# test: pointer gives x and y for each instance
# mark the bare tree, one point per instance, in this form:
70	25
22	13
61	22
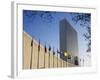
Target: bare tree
45	16
84	19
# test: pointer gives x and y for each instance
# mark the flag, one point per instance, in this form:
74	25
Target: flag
39	46
57	51
53	51
45	49
32	43
49	48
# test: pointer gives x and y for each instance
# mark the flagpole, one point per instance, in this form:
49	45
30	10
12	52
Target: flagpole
53	56
44	59
31	54
66	61
38	61
49	56
45	50
83	62
49	59
38	55
61	59
57	58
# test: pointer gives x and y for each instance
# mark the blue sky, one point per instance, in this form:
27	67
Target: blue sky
48	31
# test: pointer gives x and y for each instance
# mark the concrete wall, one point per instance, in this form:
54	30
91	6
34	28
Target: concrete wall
34	59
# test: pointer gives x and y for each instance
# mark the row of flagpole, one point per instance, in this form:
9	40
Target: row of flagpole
45	51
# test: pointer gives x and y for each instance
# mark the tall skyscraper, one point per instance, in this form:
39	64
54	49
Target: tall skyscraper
68	39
